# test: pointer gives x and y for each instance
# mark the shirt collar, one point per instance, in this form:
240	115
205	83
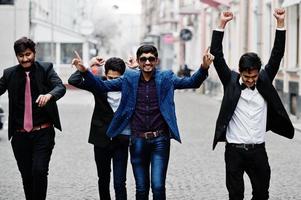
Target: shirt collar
152	77
30	69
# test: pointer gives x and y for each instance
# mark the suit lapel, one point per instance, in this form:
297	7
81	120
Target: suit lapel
236	92
158	80
135	82
38	74
263	88
17	83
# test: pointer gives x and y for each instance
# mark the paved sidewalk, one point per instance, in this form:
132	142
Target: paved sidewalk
195	171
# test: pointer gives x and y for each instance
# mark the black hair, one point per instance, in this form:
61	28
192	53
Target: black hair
147	49
115	64
22	44
249	61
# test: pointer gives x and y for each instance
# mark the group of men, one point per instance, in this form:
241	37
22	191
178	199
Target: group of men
135	112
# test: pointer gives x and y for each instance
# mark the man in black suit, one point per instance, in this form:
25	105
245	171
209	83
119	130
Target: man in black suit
33	89
105	149
250	107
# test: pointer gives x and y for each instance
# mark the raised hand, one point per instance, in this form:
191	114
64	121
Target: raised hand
77	62
207	59
225	18
132	63
97	61
279	14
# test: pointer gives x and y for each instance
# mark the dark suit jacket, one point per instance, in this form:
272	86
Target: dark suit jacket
102	114
47	82
277	117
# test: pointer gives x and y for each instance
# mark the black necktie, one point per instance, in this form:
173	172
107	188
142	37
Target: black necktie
243	86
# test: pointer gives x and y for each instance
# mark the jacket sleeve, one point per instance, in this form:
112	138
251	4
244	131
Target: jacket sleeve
194	81
76	79
219	62
3	83
58	89
101	86
276	55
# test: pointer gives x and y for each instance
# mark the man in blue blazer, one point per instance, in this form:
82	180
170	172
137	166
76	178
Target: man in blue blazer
147	104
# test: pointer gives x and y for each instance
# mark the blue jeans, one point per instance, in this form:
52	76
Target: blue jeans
146	153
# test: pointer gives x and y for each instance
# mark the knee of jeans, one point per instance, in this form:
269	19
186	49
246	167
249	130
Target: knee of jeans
158	188
136	159
142	187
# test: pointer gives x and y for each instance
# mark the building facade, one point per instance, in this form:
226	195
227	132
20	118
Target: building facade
252	29
57	27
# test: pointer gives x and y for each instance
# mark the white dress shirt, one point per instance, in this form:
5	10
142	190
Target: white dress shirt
248	123
114	99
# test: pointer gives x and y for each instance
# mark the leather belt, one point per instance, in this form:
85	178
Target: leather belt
36	128
245	146
151	134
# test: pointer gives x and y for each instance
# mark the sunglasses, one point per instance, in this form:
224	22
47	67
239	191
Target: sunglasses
150	59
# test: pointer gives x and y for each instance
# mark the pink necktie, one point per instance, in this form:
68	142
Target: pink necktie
28	108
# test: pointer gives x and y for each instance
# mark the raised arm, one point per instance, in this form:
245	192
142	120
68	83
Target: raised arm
277	53
76	79
94	83
198	77
219	62
132	63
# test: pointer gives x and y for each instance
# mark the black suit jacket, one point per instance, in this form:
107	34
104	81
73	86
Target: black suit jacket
277	117
47	81
102	114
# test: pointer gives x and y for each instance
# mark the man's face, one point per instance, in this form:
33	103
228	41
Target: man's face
147	62
26	58
112	74
250	77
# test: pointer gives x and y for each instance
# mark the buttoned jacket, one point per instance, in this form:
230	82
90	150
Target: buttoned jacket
47	81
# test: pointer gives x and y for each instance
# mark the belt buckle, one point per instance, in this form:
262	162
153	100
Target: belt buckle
146	135
156	133
248	146
245	147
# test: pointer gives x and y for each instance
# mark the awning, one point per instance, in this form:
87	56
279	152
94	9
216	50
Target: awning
215	3
287	3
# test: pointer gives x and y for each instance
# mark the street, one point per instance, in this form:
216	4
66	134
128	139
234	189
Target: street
195	171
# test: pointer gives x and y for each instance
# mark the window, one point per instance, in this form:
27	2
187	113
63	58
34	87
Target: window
293	36
293	96
67	51
44	52
268	31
